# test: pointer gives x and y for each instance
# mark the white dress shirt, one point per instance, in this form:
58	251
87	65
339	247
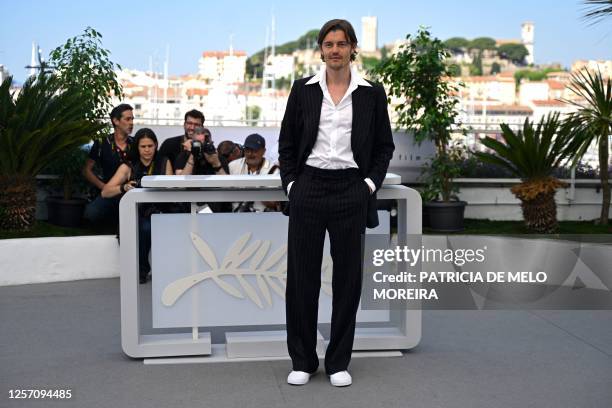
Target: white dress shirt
332	149
239	166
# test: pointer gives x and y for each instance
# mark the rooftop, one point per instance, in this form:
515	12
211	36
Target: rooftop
222	54
549	102
488	78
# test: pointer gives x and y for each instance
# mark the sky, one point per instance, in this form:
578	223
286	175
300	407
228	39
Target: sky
136	31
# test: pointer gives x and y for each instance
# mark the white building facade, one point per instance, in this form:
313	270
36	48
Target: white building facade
369	34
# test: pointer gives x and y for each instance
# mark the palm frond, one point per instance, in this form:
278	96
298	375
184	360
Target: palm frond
597	10
40	124
532	152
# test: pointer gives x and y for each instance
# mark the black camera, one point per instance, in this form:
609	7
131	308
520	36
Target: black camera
246	206
198	149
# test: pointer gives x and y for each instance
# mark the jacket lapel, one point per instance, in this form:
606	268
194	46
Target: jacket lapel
313	99
363	104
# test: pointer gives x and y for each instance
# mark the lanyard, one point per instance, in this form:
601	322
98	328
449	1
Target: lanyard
142	170
123	154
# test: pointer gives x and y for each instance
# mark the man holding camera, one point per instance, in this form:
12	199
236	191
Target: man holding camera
178	149
199	155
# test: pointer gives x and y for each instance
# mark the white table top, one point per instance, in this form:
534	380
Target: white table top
229	181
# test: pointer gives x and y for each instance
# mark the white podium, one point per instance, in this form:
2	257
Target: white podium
400	330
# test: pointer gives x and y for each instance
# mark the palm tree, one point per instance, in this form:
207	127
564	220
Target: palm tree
592	123
532	154
38	126
597	10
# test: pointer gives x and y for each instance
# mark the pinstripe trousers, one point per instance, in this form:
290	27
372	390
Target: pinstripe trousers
320	200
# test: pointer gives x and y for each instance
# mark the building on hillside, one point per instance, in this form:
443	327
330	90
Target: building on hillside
603	66
4	73
533	90
527	37
307	62
281	65
501	88
542	108
556	89
490	58
369	34
272	107
484	119
225	66
561	76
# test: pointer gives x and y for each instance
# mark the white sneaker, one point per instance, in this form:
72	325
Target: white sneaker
341	379
298	377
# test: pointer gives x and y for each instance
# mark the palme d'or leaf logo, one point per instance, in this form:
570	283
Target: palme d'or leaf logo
261	266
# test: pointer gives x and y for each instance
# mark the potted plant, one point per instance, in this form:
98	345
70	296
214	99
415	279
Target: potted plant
532	154
419	76
41	124
67	209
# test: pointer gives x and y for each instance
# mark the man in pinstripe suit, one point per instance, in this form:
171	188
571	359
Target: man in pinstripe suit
334	150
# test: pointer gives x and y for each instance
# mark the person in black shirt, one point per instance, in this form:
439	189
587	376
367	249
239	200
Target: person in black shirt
147	161
108	154
171	147
202	160
178	149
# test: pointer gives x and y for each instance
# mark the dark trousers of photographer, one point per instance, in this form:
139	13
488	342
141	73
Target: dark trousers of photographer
144	246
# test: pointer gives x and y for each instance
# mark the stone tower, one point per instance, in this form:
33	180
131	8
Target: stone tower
369	34
527	31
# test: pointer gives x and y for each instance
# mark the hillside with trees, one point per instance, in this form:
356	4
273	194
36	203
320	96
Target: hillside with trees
482	56
254	64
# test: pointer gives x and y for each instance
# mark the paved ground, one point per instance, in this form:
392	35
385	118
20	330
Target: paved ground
67	335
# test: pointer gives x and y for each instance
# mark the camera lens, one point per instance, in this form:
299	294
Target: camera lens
209	148
196	149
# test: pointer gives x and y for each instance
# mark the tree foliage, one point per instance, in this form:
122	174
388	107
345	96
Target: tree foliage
83	64
532	74
532	152
483	43
597	11
41	124
418	76
476	65
68	168
369	63
307	41
513	52
454	70
495	68
592	123
456	44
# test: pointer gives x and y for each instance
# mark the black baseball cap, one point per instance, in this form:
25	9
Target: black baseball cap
255	141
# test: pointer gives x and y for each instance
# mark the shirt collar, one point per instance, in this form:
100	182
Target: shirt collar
320	78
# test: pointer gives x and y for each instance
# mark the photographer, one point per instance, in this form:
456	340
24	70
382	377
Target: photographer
254	163
228	152
146	162
107	155
173	146
199	155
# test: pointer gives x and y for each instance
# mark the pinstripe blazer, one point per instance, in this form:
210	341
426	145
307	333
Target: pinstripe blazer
371	138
